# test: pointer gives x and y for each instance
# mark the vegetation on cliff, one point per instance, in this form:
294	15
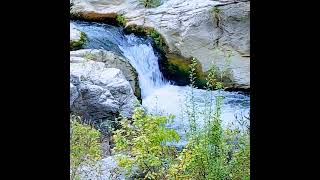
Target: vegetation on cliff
74	45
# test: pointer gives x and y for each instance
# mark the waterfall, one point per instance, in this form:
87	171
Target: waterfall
143	59
159	96
138	50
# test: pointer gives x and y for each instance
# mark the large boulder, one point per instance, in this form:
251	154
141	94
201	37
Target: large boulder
111	60
99	93
208	30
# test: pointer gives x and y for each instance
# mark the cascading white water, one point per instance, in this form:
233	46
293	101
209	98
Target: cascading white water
158	95
143	59
138	50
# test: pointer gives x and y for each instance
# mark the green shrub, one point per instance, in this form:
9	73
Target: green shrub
211	152
239	165
142	145
85	148
74	45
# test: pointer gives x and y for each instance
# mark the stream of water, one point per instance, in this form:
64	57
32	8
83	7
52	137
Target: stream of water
160	96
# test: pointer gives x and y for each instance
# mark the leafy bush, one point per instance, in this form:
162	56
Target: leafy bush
239	165
211	153
142	145
85	148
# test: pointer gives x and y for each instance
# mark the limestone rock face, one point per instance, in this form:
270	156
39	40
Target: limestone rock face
111	60
207	30
99	93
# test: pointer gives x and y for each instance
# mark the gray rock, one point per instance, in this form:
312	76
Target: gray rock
111	60
235	24
99	93
104	169
96	102
73	93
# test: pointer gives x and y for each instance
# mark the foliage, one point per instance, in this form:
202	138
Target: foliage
88	56
74	45
211	153
121	20
240	163
143	145
85	148
150	3
157	38
136	29
141	30
177	68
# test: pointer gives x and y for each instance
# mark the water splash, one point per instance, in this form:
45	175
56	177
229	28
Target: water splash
143	59
170	100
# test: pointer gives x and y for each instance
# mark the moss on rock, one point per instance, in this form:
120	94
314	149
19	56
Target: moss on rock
75	45
177	69
109	18
148	31
121	20
174	67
